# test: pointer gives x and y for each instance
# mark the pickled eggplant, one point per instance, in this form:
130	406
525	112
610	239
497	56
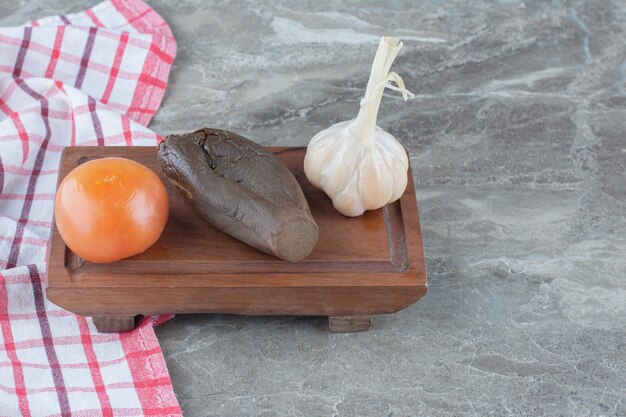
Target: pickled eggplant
241	189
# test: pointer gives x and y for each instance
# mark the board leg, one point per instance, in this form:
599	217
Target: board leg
114	324
347	324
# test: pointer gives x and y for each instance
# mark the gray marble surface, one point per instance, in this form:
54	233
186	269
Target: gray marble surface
517	137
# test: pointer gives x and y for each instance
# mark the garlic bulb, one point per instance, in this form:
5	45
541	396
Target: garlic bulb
357	164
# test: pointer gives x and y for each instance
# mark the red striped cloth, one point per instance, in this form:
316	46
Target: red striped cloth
90	78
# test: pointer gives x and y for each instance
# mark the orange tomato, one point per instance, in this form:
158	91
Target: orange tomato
111	208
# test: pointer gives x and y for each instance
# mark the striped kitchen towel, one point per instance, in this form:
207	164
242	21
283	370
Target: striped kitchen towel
90	78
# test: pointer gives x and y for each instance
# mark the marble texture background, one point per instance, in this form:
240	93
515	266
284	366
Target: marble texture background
517	137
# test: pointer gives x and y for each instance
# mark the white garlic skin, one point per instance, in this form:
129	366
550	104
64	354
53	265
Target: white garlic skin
357	173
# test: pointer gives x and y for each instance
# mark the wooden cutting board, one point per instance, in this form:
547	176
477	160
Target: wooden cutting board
372	264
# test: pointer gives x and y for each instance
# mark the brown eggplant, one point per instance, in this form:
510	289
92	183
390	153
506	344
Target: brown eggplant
241	189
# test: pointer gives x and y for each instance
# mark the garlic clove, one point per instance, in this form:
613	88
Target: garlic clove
339	172
396	161
315	162
375	183
349	202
